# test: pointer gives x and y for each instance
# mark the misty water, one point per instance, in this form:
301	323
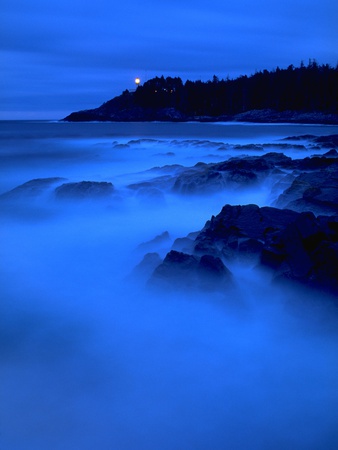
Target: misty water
93	359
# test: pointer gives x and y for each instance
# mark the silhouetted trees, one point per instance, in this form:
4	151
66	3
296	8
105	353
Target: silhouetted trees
306	88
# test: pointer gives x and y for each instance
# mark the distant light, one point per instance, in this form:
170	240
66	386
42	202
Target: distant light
137	81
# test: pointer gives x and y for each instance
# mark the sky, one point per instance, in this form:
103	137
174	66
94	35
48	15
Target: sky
67	55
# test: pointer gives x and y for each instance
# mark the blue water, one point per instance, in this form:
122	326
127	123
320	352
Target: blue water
90	359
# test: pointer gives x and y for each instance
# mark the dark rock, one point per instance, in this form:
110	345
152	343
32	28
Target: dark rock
283	147
324	272
303	137
252	164
277	159
124	109
290	116
295	246
315	191
234	173
327	141
250	247
32	189
331	154
242	177
84	190
248	147
242	232
306	253
201	179
178	270
314	163
222	233
213	274
188	272
163	182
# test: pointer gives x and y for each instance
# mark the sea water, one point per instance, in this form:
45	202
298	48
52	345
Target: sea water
91	359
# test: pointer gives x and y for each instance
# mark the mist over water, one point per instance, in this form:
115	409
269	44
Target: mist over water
91	358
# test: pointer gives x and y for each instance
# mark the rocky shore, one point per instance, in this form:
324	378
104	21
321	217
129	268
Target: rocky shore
114	113
295	239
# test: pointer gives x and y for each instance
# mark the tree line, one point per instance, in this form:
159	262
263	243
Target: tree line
305	88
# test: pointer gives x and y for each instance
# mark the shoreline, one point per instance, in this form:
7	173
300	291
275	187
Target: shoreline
172	115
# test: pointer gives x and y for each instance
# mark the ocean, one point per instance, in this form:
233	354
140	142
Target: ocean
93	359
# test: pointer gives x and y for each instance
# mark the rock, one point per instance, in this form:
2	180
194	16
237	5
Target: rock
178	270
84	190
294	246
188	272
249	147
331	154
223	234
297	247
250	247
303	137
234	173
245	172
213	274
306	251
330	141
164	182
324	272
186	244
199	180
315	191
32	189
277	159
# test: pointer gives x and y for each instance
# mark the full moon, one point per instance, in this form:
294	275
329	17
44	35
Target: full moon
137	81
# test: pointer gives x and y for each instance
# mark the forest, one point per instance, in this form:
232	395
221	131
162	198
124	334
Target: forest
306	88
304	94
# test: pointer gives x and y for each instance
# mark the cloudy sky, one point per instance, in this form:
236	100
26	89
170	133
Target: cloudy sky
59	56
